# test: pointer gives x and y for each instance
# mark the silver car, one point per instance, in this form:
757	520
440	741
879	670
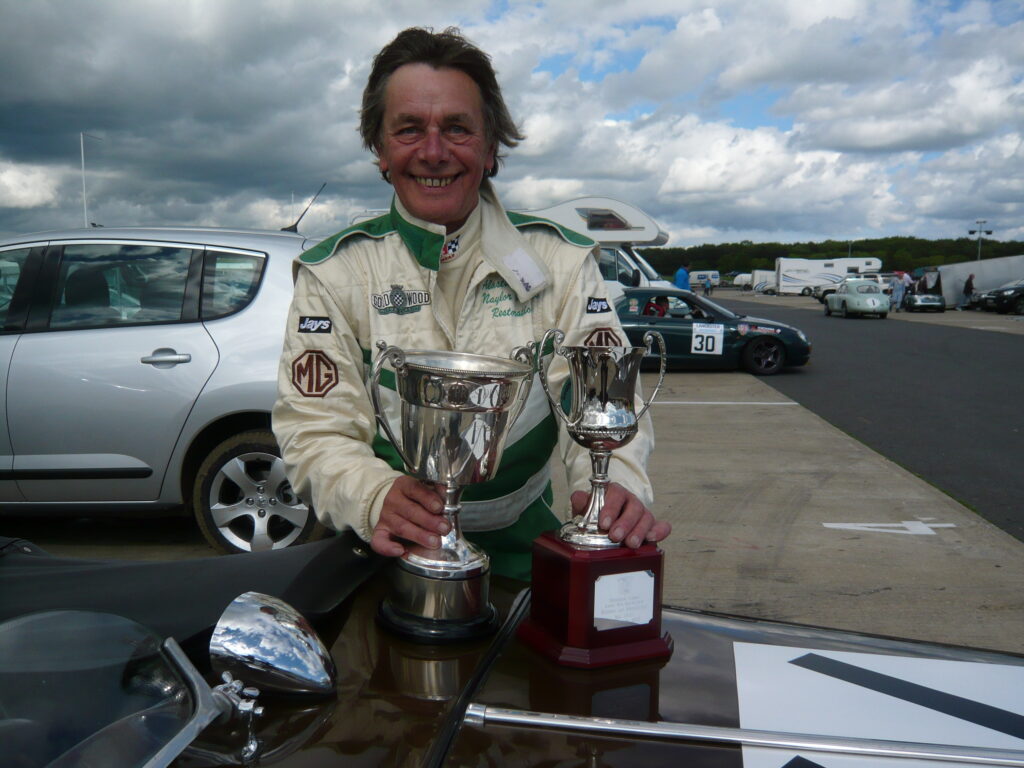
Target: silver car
857	297
139	369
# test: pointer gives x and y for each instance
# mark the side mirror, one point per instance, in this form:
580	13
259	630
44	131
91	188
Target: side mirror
270	645
634	279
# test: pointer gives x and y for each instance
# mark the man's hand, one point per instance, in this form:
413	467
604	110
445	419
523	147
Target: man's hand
410	513
624	517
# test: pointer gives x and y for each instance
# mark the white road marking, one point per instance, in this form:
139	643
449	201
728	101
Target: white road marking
907	527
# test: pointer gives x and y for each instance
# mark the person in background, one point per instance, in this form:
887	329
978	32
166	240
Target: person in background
657	307
897	290
682	279
965	297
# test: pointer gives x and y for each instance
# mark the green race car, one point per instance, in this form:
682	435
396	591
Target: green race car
701	335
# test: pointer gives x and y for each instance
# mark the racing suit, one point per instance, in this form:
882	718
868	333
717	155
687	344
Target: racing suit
378	281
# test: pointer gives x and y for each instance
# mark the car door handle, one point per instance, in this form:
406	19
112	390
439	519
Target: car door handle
166	358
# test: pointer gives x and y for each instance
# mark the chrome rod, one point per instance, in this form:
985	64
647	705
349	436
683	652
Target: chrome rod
482	715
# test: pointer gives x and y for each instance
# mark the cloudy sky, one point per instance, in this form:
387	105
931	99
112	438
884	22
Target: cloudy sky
768	120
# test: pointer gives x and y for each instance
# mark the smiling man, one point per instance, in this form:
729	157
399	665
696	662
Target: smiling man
447	269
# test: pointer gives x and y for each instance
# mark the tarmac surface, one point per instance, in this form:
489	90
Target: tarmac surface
776	514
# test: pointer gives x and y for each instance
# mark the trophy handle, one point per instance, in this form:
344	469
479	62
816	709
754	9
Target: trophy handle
523	354
397	358
557	338
648	338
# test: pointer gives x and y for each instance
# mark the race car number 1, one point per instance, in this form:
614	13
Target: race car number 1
707	339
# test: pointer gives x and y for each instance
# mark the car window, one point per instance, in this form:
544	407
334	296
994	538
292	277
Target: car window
867	289
120	284
614	267
230	281
11	264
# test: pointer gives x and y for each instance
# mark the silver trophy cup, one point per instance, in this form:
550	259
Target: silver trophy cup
456	410
602	416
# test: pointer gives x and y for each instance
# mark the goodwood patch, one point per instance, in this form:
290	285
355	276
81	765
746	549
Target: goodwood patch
398	301
597	305
314	374
314	324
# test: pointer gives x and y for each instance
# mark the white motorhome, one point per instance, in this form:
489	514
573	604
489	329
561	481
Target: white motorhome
699	276
763	281
988	274
799	276
618	227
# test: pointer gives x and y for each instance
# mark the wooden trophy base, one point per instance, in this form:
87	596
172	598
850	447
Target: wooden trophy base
595	607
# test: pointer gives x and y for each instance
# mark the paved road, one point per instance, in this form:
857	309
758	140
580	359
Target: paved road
942	401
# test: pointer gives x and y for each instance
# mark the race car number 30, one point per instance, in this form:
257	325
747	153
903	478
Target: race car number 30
707	339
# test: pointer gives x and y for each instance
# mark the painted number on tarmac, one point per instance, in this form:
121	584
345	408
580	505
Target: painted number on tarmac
707	339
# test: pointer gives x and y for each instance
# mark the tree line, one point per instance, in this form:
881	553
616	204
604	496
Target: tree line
896	253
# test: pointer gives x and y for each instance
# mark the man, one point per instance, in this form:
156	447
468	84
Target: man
447	268
896	289
968	293
682	279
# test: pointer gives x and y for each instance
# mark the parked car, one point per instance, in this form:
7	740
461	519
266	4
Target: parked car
858	297
821	292
701	335
140	369
924	302
1008	297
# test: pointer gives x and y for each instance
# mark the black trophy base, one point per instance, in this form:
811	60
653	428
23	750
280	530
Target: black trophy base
425	630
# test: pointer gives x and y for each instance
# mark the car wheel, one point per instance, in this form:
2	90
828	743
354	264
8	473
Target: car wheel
828	311
842	310
1018	306
243	502
805	292
764	356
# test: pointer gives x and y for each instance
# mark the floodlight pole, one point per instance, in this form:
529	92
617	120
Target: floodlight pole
981	231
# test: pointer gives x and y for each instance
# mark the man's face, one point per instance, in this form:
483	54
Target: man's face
433	142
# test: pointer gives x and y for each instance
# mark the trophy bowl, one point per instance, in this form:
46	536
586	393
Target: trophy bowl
602	415
455	412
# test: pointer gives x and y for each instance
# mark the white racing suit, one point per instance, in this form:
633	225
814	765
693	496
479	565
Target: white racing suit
377	281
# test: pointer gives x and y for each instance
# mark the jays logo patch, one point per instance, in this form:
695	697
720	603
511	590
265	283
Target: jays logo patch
398	301
314	324
314	374
597	305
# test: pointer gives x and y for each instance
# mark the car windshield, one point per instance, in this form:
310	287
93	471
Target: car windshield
867	288
115	698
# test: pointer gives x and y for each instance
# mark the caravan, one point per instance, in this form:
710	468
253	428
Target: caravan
763	281
618	227
800	276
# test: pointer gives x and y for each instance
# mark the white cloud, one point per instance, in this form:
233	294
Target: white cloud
27	186
773	119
